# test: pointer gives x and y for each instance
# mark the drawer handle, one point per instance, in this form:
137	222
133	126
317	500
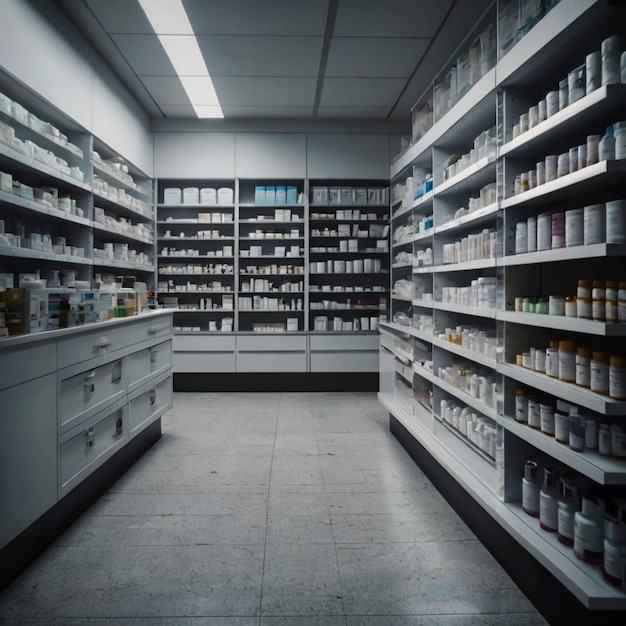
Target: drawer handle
102	344
90	437
154	355
153	330
88	385
152	397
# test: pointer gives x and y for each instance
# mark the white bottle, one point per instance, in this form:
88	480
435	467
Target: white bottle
615	546
530	489
568	505
589	529
548	503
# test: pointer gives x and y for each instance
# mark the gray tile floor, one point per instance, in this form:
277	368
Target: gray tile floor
277	509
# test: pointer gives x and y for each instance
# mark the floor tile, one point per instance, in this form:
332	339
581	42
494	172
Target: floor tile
306	529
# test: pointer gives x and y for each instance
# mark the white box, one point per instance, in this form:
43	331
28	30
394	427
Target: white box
172	195
208	195
334	195
225	195
191	195
319	195
292	324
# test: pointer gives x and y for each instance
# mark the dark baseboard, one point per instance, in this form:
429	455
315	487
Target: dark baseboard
290	381
28	545
550	597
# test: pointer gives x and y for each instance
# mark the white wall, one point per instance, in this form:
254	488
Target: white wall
42	49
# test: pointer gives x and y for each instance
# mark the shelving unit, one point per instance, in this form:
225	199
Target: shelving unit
463	317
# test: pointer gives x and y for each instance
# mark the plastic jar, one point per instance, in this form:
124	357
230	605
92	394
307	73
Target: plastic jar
548	500
583	300
611	52
556	305
561	427
563	94
593	71
593	142
552	362
541	173
562	165
619	131
617	377
584	289
523	123
534	413
521	241
547	419
574	227
567	361
611	300
551	167
614	560
599	372
542	110
591	433
533	116
594	224
582	156
621	302
523	177
552	103
530	489
521	405
604	439
570	306
598	301
573	159
618	441
606	147
544	231
576	432
531	234
558	229
541	306
532	179
616	221
540	361
583	364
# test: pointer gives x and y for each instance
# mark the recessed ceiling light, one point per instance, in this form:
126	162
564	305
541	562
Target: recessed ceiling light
171	25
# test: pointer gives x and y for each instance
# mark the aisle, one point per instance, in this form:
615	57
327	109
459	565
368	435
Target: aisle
291	509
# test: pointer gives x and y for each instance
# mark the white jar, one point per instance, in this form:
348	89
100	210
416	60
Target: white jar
544	231
611	52
531	234
619	131
593	71
574	227
521	240
616	221
594	224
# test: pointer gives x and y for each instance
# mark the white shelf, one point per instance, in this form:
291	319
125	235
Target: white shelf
424	201
593	251
403	298
123	265
560	322
462	396
136	211
27	253
120	234
42	209
472	355
567	391
605	470
426	304
118	182
470	219
465	310
425	235
466	265
474	176
424	269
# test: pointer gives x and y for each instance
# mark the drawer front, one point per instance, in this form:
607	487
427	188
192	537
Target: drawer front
271	343
336	343
344	361
204	343
271	362
84	449
149	405
150	328
198	362
89	391
149	362
99	342
19	364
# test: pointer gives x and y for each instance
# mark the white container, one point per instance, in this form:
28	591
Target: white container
611	52
567	507
574	227
531	234
616	221
552	167
544	231
619	131
593	71
530	489
548	503
552	103
594	224
521	241
589	531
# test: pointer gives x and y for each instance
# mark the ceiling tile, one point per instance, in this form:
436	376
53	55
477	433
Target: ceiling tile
144	54
374	56
344	92
391	18
261	55
251	17
269	91
378	113
120	16
165	89
178	111
262	112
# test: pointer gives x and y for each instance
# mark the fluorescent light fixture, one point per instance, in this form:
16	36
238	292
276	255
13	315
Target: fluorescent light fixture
171	25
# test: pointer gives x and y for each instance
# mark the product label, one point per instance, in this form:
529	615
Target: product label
548	513
566	522
615	560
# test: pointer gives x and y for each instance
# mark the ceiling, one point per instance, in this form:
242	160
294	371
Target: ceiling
286	59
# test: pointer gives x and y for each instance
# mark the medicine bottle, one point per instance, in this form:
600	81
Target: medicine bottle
521	405
598	301
548	500
589	530
599	372
610	305
614	562
617	377
547	418
583	364
567	361
618	441
530	489
621	301
604	439
606	147
568	505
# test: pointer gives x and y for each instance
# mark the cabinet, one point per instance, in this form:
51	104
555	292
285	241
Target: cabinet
479	240
284	256
70	208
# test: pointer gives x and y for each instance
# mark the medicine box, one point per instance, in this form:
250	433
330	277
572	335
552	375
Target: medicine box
225	195
334	195
292	195
259	194
270	194
191	195
319	195
208	195
281	194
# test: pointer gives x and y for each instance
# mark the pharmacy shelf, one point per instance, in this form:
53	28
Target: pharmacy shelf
605	470
123	265
120	234
400	244
470	220
117	181
399	266
423	202
394	407
406	330
27	253
183	257
166	239
465	309
480	264
114	204
427	234
592	251
402	211
567	391
569	187
602	106
567	324
402	298
472	355
425	304
448	429
37	207
471	178
475	403
424	269
196	292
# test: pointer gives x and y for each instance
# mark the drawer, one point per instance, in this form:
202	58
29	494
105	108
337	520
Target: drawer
147	405
98	342
271	343
205	343
148	362
21	363
347	361
199	362
86	447
336	343
271	361
151	328
84	393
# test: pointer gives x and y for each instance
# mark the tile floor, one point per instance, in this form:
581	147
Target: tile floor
277	509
